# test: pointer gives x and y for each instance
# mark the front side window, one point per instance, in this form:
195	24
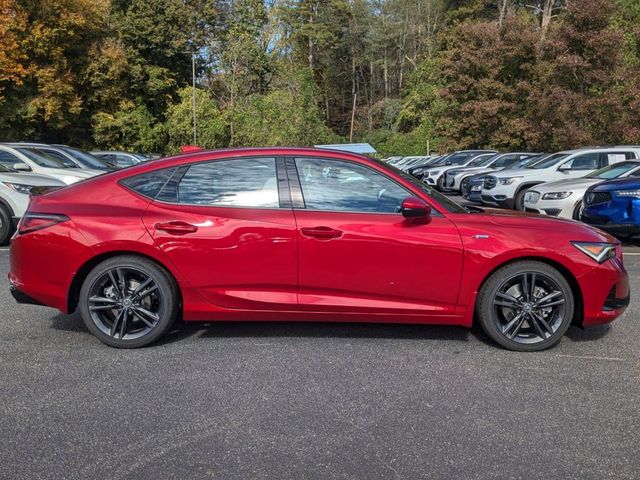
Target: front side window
505	161
8	160
587	161
338	186
245	182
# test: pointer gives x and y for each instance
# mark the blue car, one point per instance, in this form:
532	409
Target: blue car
614	206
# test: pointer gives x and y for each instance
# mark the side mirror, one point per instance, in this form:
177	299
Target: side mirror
564	168
415	208
21	167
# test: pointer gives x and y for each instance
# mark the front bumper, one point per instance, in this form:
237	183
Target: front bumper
553	208
501	201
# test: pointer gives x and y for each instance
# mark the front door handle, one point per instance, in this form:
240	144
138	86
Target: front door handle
176	227
321	233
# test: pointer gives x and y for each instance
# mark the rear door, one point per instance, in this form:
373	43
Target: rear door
230	230
357	253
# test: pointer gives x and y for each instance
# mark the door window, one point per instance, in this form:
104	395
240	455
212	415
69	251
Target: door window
246	182
587	161
339	186
8	159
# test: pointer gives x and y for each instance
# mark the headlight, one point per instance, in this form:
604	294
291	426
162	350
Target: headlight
508	181
419	171
476	188
556	195
600	252
628	193
433	172
18	187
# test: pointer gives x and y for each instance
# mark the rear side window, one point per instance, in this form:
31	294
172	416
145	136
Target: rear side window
243	182
150	183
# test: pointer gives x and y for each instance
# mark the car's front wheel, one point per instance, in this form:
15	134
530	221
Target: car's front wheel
128	301
526	306
5	225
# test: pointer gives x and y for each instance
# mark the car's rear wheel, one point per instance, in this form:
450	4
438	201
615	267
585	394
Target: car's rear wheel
128	301
526	306
5	225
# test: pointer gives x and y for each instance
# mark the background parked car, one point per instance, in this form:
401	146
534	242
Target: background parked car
564	197
472	186
433	176
68	155
418	169
119	159
454	179
32	160
614	206
15	187
507	189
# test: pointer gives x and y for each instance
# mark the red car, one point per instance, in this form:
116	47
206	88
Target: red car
304	234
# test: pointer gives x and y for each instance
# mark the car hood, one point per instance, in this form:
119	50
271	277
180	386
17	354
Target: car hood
569	184
619	184
522	221
30	179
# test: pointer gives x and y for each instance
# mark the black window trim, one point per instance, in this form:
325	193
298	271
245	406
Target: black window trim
298	197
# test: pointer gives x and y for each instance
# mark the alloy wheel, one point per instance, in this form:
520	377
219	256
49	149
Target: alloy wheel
529	308
125	303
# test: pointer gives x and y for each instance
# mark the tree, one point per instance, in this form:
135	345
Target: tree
212	128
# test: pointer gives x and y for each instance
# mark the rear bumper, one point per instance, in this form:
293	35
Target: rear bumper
22	297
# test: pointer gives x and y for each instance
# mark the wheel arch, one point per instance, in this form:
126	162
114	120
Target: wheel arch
83	271
564	271
526	186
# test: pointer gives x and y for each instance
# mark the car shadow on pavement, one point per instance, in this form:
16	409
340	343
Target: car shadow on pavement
590	334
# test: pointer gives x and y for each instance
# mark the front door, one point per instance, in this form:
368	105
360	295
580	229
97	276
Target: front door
357	253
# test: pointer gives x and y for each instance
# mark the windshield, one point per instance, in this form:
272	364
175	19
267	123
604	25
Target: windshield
548	161
613	171
447	204
481	160
85	158
42	159
459	158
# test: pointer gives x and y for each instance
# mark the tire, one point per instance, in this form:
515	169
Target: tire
464	185
512	320
136	312
5	224
518	203
440	183
577	211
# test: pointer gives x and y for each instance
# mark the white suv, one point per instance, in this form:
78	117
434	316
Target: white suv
14	196
508	188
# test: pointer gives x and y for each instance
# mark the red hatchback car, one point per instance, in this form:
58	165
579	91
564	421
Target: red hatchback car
304	234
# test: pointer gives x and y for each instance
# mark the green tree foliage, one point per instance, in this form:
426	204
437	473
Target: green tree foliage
440	74
287	115
212	128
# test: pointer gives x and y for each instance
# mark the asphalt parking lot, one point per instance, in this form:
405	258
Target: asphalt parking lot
306	401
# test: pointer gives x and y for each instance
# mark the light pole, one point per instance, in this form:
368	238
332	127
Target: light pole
193	96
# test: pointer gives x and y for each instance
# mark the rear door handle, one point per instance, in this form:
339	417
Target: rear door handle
176	227
321	233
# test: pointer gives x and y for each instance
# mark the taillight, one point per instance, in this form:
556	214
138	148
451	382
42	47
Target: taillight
37	221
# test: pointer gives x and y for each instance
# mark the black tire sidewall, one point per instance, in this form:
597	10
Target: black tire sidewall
168	293
518	204
484	306
6	227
